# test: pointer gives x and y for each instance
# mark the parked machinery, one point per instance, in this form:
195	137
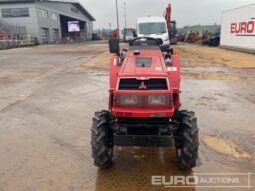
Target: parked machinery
128	34
193	37
211	39
171	25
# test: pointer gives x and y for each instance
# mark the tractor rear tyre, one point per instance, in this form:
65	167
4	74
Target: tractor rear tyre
187	140
101	136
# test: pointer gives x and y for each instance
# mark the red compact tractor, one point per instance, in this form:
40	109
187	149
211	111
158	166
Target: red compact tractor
144	105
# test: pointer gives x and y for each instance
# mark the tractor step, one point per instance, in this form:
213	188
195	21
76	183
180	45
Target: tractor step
143	140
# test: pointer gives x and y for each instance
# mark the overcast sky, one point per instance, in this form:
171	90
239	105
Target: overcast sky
185	12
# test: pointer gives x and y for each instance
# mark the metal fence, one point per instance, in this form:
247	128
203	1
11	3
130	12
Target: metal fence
6	44
10	35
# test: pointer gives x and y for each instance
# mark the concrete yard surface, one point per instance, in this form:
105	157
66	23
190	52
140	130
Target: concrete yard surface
48	96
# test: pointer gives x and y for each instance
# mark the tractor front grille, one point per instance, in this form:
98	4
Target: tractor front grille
136	84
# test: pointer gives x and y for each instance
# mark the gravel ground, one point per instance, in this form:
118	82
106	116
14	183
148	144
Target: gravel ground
48	95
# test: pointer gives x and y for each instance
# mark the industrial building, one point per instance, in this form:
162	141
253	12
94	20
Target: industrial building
238	28
47	20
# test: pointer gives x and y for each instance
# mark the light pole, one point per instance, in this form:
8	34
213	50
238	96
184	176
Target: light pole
110	27
125	14
118	25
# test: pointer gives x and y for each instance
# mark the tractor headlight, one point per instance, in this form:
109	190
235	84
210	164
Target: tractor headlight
143	100
157	100
127	100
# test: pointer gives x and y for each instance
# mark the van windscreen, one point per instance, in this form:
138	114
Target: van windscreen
152	28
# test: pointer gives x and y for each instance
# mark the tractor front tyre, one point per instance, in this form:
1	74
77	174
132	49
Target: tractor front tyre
187	140
101	136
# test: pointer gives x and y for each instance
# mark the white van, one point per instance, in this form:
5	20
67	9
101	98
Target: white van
154	27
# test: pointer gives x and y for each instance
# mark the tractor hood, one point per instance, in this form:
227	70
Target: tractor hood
143	63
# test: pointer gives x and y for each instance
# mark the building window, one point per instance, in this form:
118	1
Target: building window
89	30
43	13
45	35
55	35
54	16
15	12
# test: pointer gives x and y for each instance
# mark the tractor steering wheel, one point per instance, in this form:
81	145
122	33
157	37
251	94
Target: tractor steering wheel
147	41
